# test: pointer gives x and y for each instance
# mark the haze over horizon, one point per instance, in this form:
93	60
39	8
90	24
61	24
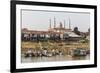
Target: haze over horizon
40	20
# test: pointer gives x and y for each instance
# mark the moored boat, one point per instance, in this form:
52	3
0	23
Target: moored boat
79	52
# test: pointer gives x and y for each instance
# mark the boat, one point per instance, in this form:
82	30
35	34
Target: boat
79	52
49	54
29	53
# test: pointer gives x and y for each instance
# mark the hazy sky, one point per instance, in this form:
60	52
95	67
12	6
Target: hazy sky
39	20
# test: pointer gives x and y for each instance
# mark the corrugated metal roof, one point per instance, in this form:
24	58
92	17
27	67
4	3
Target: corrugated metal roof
72	34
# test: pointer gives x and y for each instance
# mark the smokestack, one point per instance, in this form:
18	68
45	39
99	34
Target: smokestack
54	22
64	24
69	24
50	23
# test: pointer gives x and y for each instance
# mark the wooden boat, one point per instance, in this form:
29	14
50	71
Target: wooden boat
79	52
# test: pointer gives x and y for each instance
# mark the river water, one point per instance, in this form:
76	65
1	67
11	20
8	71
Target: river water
53	58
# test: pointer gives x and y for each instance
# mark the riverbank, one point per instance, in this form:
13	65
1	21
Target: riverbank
60	46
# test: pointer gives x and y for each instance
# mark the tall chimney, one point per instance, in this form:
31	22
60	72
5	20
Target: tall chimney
50	23
64	24
69	24
54	22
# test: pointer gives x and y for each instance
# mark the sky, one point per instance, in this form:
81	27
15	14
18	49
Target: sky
40	20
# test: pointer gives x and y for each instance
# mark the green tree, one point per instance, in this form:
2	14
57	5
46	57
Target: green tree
76	30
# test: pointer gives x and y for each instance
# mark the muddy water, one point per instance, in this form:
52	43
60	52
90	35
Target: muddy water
53	58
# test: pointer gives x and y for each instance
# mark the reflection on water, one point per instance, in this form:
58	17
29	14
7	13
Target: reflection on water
53	58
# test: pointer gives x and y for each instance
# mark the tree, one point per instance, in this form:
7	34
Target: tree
89	30
76	30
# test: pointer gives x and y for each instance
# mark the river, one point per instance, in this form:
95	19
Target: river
53	58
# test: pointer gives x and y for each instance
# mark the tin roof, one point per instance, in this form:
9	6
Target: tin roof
72	34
